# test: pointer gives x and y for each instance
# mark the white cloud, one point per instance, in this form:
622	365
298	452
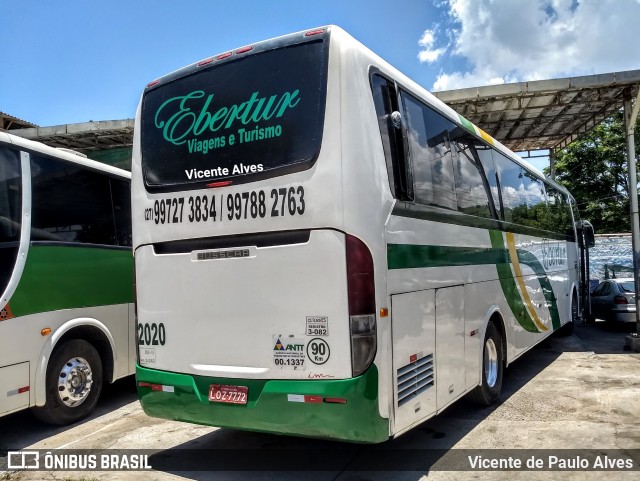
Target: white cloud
427	53
508	41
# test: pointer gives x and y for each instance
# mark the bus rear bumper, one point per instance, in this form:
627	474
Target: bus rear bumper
311	408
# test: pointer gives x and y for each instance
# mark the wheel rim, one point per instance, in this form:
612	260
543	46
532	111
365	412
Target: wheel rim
490	363
75	381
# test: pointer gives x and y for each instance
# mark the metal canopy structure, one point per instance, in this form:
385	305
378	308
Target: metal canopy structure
83	137
9	122
543	114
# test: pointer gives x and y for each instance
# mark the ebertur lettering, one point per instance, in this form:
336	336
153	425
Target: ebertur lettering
178	121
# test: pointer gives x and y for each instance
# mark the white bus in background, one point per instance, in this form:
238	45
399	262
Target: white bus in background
324	249
66	320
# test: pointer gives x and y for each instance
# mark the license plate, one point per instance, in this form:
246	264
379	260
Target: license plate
220	393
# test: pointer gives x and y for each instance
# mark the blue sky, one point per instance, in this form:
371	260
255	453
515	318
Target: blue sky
73	61
78	60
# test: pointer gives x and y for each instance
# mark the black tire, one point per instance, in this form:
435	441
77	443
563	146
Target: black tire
488	392
73	383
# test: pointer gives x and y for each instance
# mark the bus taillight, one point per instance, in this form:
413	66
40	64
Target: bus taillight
223	183
204	62
362	304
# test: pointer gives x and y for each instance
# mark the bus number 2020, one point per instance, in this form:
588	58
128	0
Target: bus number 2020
151	334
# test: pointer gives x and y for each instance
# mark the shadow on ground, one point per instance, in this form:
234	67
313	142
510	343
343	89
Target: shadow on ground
22	429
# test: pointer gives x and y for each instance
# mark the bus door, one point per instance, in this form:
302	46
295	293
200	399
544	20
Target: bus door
14	375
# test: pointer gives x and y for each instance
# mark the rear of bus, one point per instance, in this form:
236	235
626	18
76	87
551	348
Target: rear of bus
256	299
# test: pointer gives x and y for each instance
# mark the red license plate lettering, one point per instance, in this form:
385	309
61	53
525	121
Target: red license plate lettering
220	393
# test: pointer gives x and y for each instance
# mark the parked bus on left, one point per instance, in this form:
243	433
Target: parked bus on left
66	278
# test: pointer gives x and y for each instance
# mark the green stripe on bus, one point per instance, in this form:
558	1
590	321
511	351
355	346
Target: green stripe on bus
269	407
467	124
67	277
412	256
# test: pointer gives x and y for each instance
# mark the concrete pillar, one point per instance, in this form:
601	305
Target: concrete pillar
630	115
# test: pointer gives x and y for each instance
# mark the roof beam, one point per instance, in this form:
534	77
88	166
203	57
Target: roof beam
546	113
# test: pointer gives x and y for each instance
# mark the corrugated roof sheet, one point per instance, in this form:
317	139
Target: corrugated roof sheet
543	114
9	122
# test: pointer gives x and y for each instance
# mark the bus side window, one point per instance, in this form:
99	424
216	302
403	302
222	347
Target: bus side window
430	154
559	213
121	199
10	213
534	212
475	177
70	204
385	100
511	185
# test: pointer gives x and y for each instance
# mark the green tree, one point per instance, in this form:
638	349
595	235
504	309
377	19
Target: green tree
594	169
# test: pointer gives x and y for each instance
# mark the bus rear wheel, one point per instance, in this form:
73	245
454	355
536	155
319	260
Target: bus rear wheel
567	329
73	383
488	391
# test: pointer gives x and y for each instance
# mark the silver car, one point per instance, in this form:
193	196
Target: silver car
614	300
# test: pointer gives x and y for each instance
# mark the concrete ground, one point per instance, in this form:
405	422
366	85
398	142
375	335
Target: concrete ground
577	392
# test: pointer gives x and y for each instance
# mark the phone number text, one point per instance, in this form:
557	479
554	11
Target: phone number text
228	207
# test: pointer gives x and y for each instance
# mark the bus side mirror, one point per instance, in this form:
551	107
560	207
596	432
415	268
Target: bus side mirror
396	119
589	234
589	237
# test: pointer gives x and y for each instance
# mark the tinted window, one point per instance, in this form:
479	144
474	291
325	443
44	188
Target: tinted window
474	175
559	212
10	212
71	204
574	209
533	211
10	195
597	292
121	195
627	286
512	191
606	289
430	154
386	102
249	118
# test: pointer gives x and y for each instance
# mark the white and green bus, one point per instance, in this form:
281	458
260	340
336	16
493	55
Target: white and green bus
324	249
66	280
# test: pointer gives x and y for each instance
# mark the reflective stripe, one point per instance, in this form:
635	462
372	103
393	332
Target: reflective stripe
18	391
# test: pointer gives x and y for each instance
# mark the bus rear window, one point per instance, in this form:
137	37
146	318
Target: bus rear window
243	120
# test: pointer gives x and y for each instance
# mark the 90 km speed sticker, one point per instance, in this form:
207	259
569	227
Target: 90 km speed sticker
318	351
288	353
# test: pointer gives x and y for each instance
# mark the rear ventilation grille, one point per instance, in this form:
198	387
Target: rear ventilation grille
414	379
